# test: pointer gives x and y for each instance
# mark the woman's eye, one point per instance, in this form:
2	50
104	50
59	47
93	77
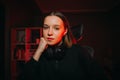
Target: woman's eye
45	27
57	28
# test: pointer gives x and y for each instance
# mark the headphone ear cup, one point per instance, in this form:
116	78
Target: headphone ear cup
49	52
59	53
58	50
54	52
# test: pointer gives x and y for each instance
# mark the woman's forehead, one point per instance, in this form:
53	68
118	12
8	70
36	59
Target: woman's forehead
53	20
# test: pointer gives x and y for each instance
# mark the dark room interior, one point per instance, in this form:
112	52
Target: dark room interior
99	18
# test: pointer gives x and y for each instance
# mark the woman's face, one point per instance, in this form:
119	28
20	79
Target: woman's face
53	30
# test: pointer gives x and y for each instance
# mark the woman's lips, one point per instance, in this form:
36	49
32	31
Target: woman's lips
50	39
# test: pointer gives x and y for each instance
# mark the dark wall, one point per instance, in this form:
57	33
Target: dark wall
115	28
23	13
2	25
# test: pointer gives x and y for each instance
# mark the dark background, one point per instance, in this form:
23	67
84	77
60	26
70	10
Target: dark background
101	28
2	25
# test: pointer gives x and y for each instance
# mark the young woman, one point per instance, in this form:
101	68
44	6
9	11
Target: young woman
57	58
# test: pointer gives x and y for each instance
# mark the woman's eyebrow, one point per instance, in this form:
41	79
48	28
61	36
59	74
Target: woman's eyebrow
45	24
57	25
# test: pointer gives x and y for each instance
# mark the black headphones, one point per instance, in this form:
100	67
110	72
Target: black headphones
55	52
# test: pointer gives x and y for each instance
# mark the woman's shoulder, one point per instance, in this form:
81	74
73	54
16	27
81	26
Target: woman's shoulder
76	47
80	51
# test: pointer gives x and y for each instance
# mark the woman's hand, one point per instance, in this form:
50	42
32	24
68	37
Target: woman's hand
41	47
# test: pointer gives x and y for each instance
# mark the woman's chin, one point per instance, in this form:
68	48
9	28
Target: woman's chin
51	44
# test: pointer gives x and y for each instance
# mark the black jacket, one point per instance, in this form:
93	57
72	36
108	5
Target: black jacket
75	65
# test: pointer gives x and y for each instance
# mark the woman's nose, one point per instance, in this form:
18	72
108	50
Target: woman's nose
50	32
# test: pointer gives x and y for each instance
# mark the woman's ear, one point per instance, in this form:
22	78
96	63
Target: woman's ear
66	30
